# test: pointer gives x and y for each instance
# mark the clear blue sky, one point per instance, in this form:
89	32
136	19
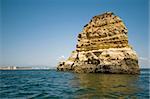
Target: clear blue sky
38	32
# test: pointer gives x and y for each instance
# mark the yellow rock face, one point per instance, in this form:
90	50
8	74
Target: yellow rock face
103	48
103	32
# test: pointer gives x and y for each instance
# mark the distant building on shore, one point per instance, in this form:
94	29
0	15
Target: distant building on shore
15	68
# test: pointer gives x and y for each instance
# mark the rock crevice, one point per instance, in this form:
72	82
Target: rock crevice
103	48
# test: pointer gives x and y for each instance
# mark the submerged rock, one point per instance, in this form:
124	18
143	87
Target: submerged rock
103	48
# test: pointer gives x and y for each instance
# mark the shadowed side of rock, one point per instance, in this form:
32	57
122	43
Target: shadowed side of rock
102	48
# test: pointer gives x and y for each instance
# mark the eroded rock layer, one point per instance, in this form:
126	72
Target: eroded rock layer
102	48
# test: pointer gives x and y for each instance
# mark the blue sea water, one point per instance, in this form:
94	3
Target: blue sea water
52	84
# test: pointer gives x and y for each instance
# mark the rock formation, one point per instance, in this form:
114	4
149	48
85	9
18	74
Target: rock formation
102	48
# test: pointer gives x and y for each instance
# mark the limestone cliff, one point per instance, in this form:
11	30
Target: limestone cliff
103	48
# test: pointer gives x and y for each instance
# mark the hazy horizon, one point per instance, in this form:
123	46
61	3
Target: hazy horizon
40	32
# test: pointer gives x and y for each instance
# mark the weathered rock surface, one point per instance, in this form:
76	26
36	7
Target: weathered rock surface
103	48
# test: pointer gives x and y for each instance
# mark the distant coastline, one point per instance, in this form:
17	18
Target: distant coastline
15	68
21	68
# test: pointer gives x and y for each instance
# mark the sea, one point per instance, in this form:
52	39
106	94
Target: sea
53	84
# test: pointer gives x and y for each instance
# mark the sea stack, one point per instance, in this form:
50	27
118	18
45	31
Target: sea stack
102	48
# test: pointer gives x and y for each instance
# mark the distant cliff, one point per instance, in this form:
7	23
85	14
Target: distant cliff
103	48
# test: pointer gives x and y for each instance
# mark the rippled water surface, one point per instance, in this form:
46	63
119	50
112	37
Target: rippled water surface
51	84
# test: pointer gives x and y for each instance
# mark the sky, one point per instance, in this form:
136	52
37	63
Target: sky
39	32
